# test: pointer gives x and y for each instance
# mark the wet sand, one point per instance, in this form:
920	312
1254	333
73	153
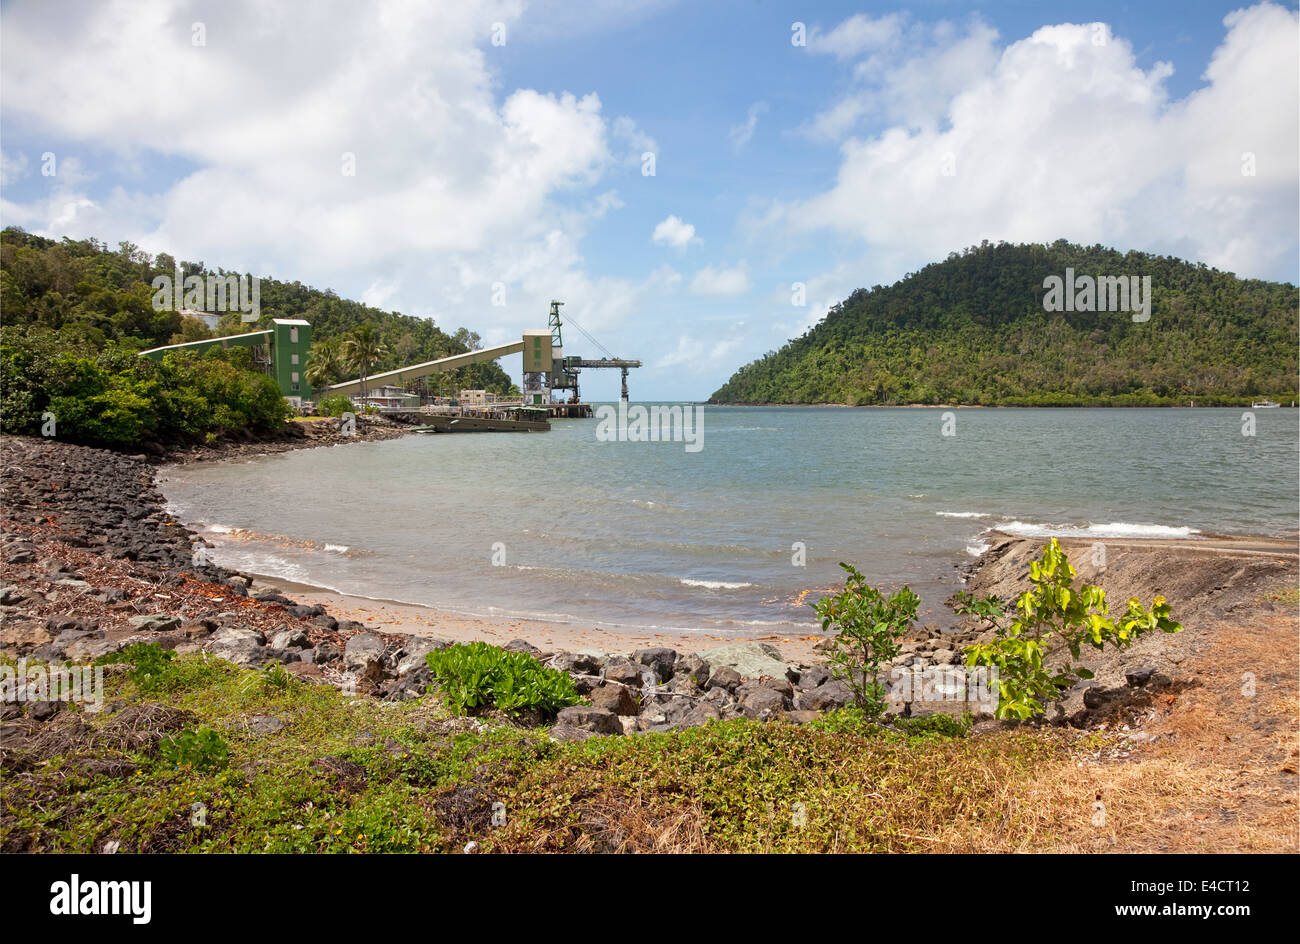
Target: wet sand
392	616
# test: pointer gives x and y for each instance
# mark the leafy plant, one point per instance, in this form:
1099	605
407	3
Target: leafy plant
336	404
868	627
272	676
202	749
475	676
1053	616
149	663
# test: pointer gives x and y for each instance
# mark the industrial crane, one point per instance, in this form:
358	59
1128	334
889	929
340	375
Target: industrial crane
566	376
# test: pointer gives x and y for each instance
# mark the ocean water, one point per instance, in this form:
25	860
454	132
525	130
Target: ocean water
738	535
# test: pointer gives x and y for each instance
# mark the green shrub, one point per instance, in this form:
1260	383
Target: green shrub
868	628
336	404
149	664
202	749
116	399
1052	614
475	676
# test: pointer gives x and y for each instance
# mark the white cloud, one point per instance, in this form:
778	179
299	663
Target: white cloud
13	167
859	34
721	281
1057	136
742	133
694	355
674	232
910	73
456	186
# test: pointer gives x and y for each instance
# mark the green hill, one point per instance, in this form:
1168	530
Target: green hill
94	297
973	329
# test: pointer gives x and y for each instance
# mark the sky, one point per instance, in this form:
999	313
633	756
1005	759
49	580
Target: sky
697	181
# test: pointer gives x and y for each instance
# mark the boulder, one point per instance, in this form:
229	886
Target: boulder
290	639
234	644
25	634
88	649
522	645
567	732
577	663
617	698
724	678
624	672
364	655
827	696
749	659
413	652
763	703
659	658
781	685
811	678
596	720
154	622
694	668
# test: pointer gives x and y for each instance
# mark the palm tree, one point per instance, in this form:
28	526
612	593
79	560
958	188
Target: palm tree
324	364
362	348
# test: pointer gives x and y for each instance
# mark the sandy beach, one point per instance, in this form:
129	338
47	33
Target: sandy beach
395	617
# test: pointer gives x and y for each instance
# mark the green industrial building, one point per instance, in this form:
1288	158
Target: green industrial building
280	350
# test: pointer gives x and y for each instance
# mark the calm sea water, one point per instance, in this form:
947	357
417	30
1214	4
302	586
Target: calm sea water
562	526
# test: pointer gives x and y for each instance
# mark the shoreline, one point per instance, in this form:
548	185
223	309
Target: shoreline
417	619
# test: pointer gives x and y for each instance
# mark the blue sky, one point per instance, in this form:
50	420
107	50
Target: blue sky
893	136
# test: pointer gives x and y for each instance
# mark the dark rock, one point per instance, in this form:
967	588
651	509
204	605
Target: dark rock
692	667
43	710
813	677
624	672
779	685
598	720
567	732
616	698
658	658
763	702
521	645
725	678
1138	677
154	622
290	639
364	655
826	697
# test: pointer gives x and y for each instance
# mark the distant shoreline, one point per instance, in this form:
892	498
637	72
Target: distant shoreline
1000	406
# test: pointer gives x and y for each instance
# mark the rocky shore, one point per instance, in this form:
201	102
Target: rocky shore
90	563
307	434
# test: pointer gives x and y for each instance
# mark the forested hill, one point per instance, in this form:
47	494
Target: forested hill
93	296
973	329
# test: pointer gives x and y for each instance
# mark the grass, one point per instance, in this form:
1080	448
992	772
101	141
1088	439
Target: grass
349	774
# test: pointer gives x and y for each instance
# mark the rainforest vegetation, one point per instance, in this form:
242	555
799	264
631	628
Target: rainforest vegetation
973	329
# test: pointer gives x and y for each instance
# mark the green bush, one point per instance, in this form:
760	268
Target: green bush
475	676
149	663
940	726
868	626
1052	615
336	404
202	749
116	399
